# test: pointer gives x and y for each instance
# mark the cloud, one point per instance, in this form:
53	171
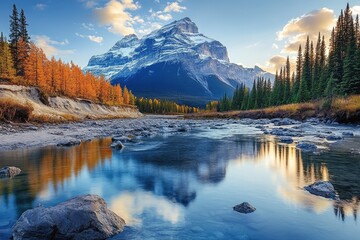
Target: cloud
296	30
276	62
47	45
252	45
97	39
89	26
40	6
275	46
355	10
149	27
164	17
174	7
115	15
89	3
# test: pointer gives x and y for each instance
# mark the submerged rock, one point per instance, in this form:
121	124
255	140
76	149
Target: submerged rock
69	143
306	147
83	217
322	188
117	145
184	129
286	140
348	134
333	138
9	172
244	207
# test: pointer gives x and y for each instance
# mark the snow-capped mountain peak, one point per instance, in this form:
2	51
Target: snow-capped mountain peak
169	56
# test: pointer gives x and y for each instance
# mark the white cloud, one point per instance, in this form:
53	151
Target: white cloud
88	26
275	46
90	3
277	62
149	27
96	39
296	30
115	15
252	45
40	6
47	45
355	10
174	7
164	17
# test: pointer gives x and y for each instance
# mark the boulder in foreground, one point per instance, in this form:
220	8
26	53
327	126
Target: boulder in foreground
9	172
322	188
84	217
244	207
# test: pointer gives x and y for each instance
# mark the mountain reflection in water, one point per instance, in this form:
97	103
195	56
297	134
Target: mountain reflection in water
167	178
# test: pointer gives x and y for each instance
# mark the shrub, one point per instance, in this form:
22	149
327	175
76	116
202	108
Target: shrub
11	110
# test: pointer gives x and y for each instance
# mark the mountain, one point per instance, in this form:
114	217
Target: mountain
175	62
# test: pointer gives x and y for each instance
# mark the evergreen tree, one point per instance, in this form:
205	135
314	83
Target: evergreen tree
298	76
14	33
303	94
23	33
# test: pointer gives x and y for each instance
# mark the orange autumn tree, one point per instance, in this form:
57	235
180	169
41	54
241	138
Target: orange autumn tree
57	78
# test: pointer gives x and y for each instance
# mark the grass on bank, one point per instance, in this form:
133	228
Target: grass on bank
344	110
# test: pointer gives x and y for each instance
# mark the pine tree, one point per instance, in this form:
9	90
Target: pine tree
303	94
298	76
7	70
14	33
23	33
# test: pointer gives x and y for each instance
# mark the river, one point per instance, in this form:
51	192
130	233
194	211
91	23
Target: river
184	185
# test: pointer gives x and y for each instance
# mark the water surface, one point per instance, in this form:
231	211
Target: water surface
183	186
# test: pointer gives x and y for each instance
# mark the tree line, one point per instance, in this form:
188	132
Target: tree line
22	62
158	106
317	75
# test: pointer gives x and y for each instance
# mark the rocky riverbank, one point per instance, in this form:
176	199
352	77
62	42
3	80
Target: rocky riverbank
310	136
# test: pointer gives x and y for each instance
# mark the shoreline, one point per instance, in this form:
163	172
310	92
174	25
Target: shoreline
23	136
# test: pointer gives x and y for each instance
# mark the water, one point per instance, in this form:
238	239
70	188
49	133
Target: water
184	186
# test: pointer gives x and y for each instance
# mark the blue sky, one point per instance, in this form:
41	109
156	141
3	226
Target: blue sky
255	32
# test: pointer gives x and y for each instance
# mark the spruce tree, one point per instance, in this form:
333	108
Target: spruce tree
14	33
303	94
296	86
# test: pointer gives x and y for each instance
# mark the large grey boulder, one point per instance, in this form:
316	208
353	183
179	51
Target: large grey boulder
244	207
322	188
84	217
9	172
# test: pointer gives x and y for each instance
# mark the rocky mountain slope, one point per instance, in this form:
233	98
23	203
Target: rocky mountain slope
175	62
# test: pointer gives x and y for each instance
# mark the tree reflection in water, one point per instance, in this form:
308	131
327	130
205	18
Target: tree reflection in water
176	169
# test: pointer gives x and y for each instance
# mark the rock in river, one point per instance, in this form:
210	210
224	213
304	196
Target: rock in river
84	217
69	143
244	207
117	145
322	188
286	140
9	172
306	147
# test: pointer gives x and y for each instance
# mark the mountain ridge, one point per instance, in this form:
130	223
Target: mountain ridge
195	59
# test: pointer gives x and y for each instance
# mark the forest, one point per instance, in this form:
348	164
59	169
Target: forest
23	63
318	74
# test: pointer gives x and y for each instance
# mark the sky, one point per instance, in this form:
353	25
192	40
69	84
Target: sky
255	32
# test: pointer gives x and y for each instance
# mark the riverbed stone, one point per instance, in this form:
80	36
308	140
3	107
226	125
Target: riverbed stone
306	147
117	145
348	134
322	188
9	172
286	140
244	207
333	138
69	143
83	217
